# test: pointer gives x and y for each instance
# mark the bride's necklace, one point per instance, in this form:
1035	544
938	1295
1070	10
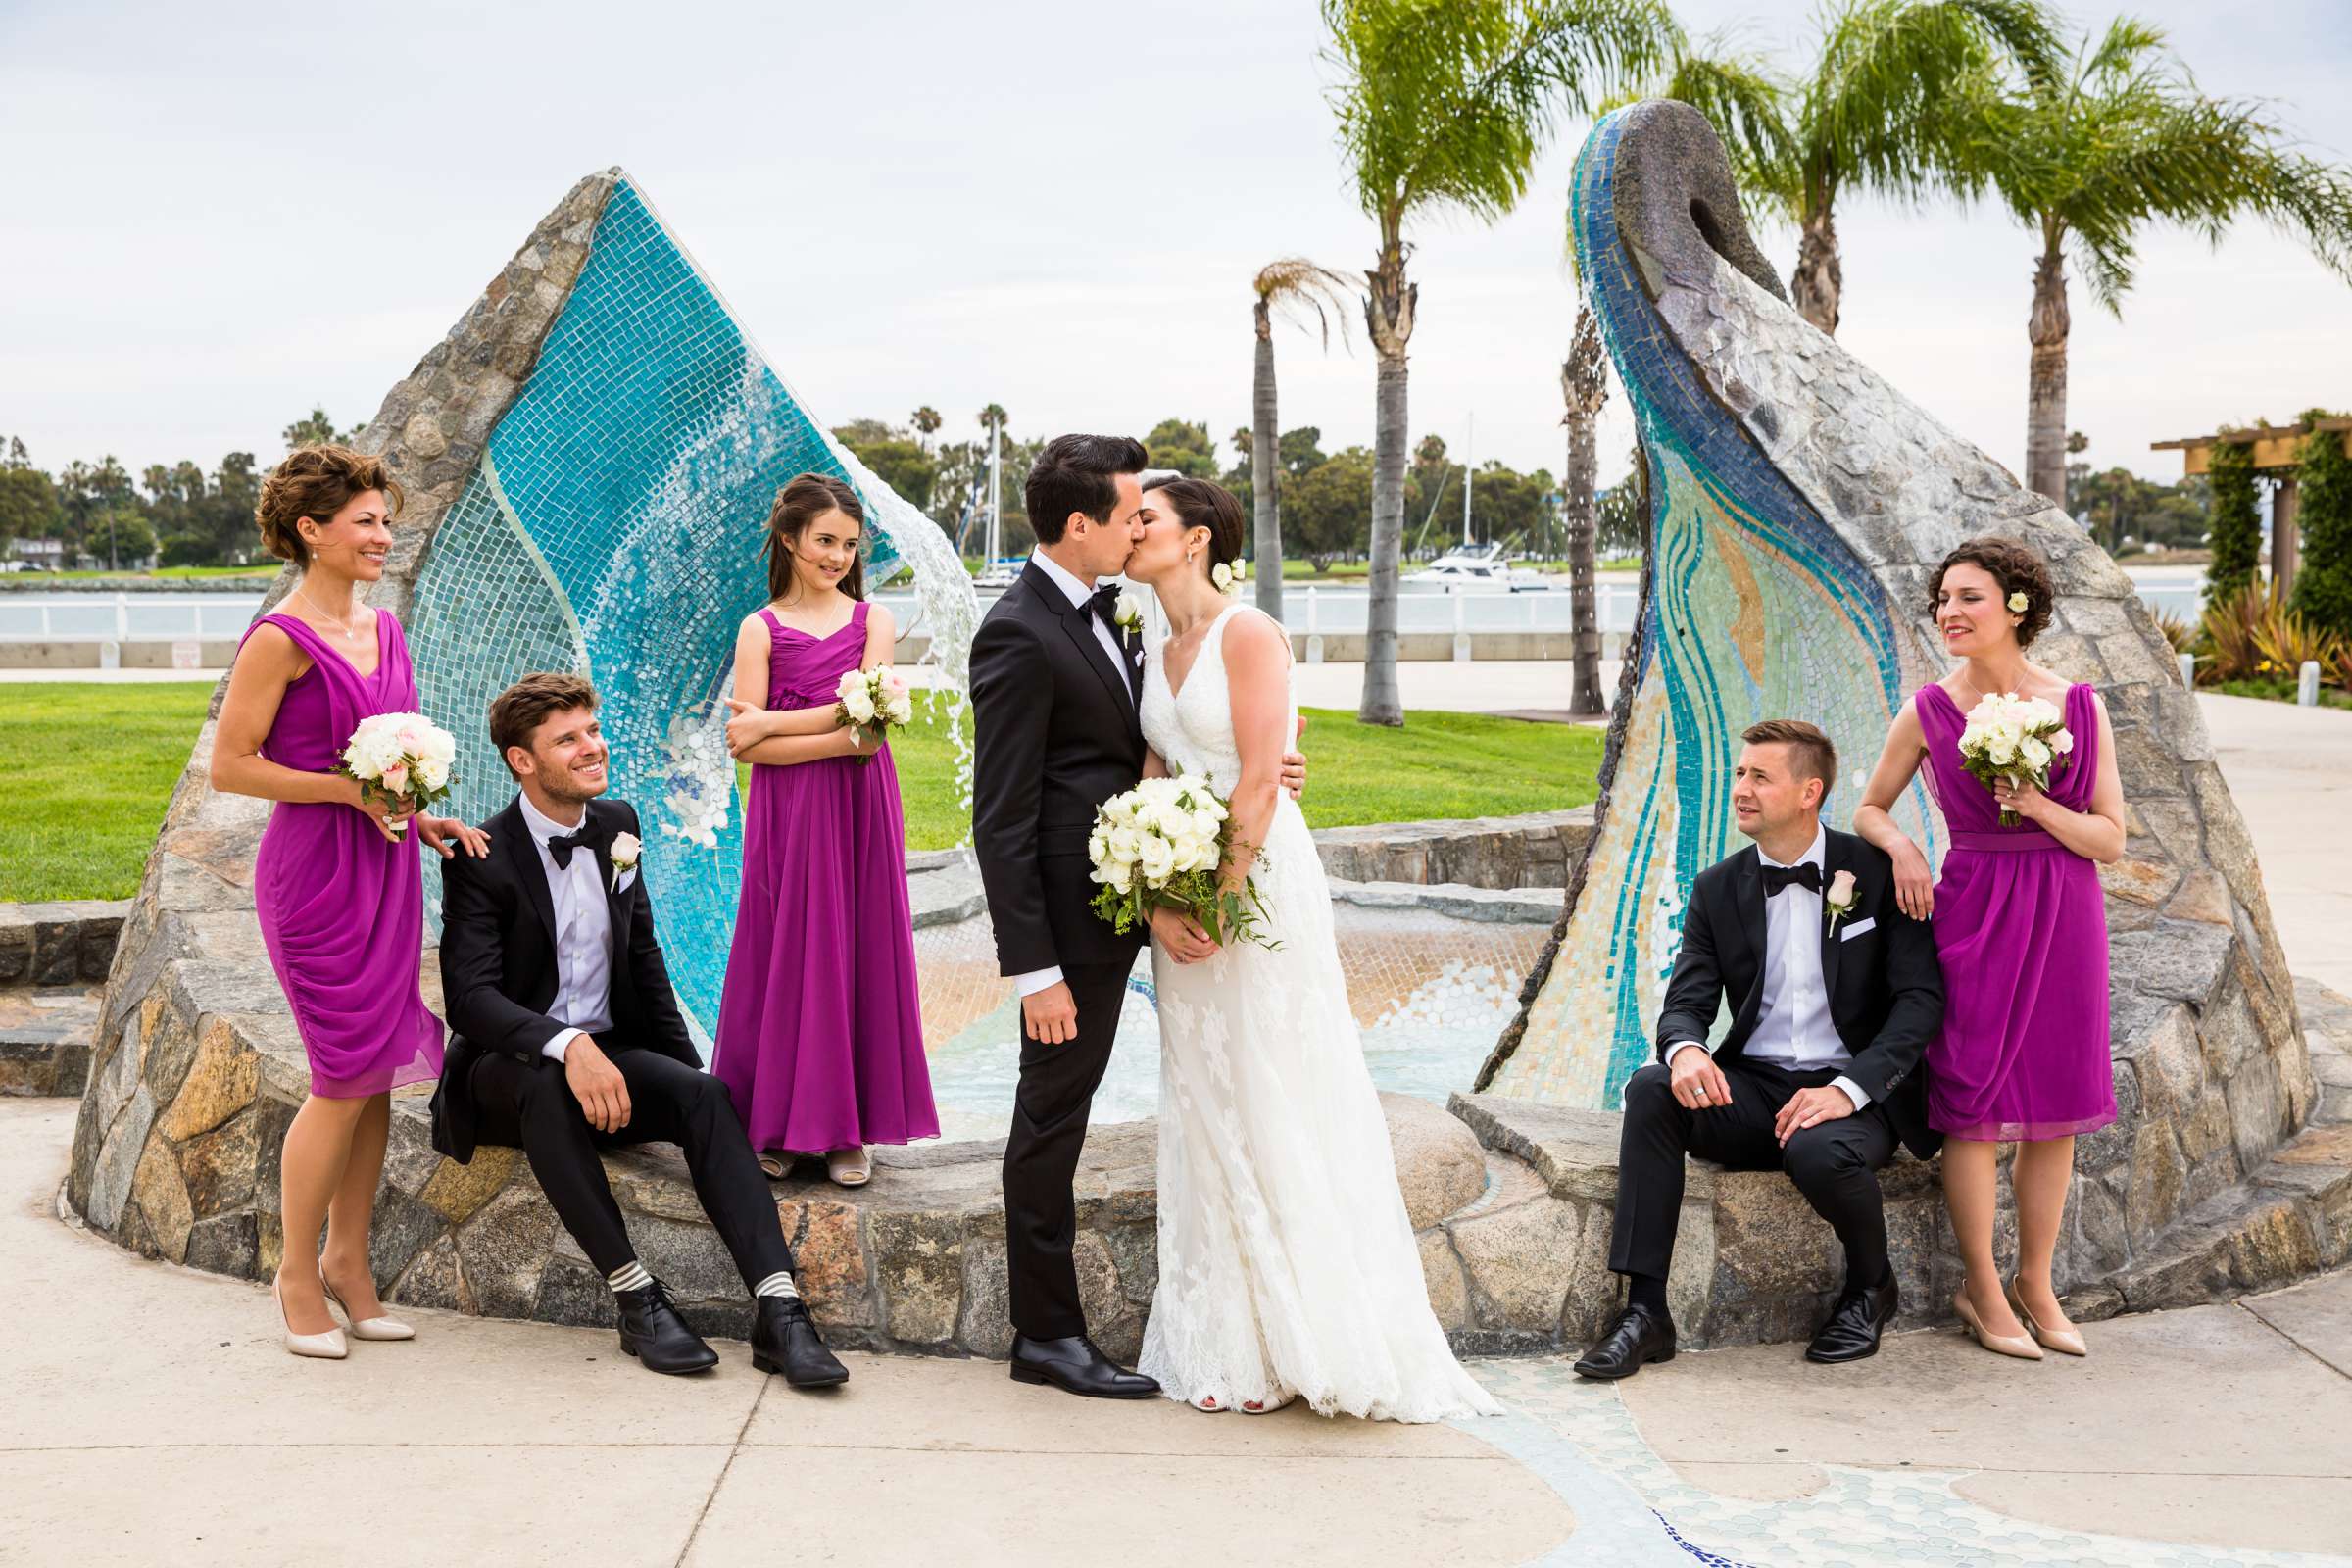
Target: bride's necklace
341	622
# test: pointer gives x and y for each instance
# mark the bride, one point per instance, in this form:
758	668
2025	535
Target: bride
1287	1265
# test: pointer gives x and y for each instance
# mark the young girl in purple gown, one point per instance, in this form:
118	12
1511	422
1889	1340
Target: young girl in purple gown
2020	926
820	1034
340	900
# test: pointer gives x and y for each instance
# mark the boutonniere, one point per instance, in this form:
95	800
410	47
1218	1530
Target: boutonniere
1128	614
626	850
1838	901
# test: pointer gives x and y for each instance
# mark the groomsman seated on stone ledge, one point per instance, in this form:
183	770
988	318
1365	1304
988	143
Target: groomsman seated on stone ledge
1833	993
566	1038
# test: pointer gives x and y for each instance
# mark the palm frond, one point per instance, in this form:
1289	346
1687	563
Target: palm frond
1446	104
1296	288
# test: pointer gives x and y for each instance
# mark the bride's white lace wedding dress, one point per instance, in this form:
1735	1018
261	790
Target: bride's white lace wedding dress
1286	1260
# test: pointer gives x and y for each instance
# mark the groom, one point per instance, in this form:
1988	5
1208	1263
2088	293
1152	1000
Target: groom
1833	995
1055	686
567	1039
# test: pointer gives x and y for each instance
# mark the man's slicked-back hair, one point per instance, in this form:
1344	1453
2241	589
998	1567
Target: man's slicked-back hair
1811	753
1078	473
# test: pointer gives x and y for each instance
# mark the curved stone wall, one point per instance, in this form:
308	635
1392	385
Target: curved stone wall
1798	508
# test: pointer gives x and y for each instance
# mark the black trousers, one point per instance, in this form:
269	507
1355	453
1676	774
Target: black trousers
533	1109
1041	1155
1834	1163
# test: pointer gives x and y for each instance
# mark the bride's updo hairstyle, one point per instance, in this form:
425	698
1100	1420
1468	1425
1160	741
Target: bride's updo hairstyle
1206	503
2019	570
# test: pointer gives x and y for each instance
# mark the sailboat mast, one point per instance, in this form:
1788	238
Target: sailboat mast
1469	441
996	447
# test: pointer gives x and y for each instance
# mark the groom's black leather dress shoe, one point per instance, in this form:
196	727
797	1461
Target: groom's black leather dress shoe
1075	1366
651	1331
1638	1338
1854	1326
784	1340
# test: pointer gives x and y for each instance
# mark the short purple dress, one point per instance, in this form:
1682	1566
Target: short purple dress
2020	925
820	1027
342	907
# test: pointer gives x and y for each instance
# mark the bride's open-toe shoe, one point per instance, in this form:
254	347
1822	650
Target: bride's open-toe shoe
2021	1346
1209	1403
850	1167
2067	1341
1267	1406
367	1328
327	1346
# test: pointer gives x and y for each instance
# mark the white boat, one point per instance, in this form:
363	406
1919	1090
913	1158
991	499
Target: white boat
1477	567
998	576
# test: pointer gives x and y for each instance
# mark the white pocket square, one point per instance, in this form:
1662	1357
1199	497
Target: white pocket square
622	883
1868	923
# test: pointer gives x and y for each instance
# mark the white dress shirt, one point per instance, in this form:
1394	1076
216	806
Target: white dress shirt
1079	592
1794	1028
583	934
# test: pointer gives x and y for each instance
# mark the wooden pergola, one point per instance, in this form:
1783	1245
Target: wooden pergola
2276	456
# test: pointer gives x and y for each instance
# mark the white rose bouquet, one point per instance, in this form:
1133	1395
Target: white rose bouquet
2021	739
1160	845
874	699
397	756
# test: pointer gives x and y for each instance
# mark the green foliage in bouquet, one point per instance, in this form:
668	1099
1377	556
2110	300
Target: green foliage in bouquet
1160	846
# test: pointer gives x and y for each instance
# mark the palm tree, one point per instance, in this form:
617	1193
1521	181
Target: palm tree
2122	139
1584	387
927	422
1875	115
1296	286
1441	105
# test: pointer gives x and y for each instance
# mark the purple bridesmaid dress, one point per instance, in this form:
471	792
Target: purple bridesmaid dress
2020	925
820	1029
341	906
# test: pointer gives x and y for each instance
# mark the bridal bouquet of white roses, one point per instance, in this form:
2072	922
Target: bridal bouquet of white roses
1160	845
2021	739
873	698
400	757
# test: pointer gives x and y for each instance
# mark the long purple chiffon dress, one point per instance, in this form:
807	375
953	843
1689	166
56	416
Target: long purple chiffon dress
342	907
2020	925
820	1029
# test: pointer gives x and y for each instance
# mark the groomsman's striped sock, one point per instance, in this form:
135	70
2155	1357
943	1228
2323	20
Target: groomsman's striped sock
777	1284
630	1276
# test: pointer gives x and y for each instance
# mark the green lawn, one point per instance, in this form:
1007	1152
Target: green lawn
87	770
2278	691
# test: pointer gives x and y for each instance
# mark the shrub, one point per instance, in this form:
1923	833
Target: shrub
2323	578
2236	522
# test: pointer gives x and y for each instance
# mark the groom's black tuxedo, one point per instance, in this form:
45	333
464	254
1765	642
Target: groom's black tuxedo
1056	734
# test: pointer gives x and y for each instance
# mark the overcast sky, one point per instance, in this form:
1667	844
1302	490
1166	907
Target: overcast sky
216	215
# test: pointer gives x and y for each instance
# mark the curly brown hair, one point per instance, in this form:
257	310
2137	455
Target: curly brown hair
316	482
2017	568
518	711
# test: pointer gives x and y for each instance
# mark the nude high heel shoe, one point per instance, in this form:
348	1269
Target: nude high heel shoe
2067	1341
2020	1346
327	1346
368	1328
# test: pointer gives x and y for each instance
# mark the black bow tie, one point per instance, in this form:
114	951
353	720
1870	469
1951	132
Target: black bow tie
1806	876
563	844
1104	605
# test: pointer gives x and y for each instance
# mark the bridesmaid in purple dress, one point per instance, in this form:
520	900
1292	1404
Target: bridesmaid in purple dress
820	1031
2020	926
341	903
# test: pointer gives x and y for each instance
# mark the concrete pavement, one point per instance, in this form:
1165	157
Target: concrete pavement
2290	770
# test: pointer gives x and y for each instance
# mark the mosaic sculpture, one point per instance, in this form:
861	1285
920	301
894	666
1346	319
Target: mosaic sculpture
1798	506
611	524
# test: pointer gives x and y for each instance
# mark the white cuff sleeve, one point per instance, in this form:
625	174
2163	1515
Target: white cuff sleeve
1853	1091
1036	980
559	1043
1675	1049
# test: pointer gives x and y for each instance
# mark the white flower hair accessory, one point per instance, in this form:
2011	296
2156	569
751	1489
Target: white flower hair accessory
1228	576
2018	603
